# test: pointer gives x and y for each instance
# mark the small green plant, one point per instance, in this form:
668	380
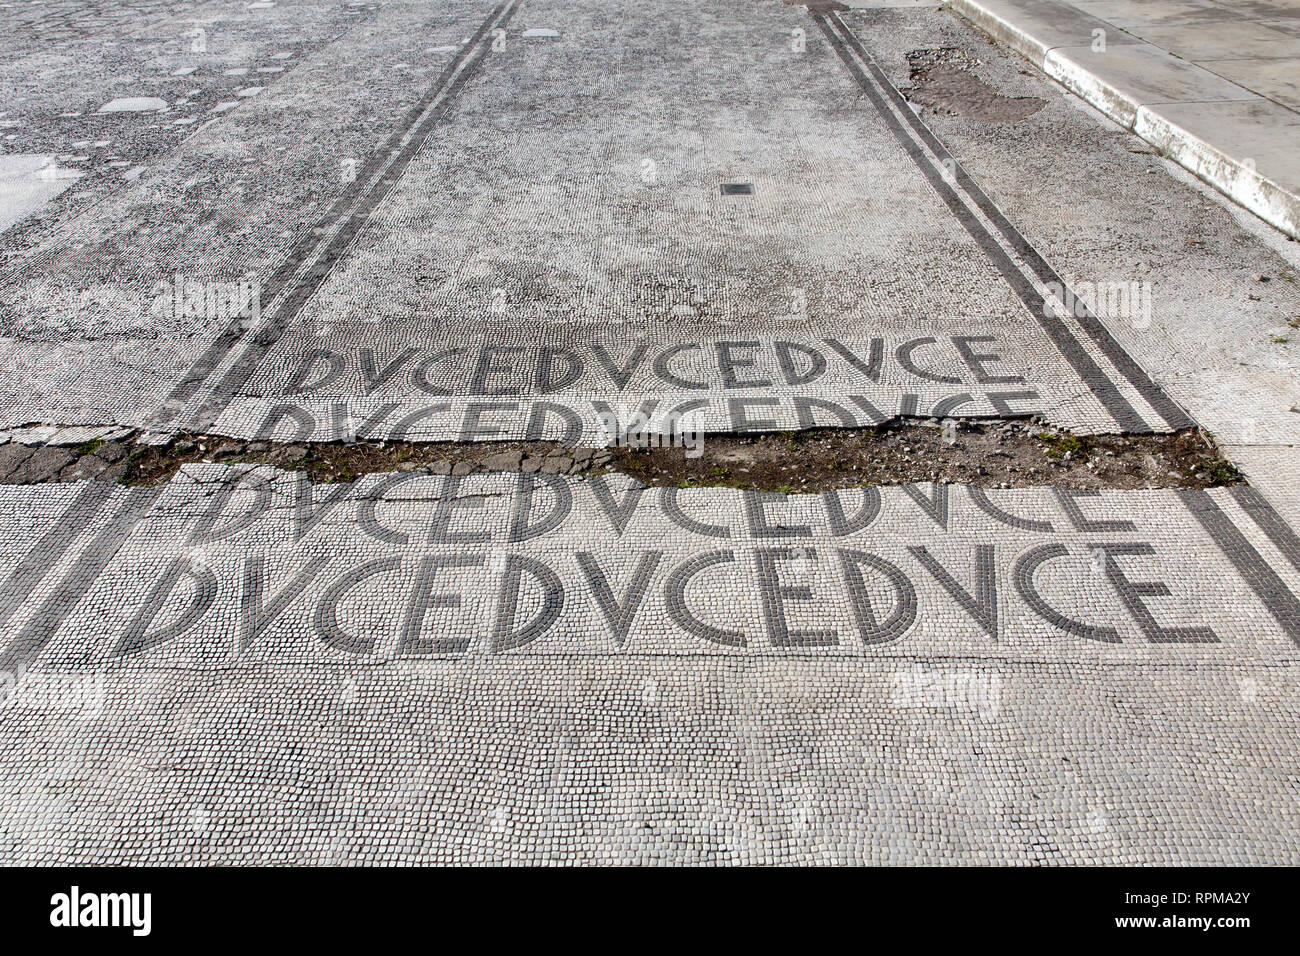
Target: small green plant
90	447
1059	445
1220	472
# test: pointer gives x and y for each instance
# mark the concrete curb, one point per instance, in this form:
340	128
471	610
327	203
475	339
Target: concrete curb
1132	100
1237	178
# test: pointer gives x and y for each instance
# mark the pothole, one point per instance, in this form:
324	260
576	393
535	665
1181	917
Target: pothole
1010	454
944	80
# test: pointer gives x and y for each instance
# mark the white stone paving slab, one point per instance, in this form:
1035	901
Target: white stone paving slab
1035	26
1250	146
1137	13
1276	79
1131	75
133	104
1223	40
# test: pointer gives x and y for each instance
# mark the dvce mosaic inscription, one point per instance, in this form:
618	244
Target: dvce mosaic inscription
233	563
491	391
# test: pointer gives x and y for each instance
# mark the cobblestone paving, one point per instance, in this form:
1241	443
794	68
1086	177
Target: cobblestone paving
481	221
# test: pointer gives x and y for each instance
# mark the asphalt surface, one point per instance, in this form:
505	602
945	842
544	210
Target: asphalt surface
291	222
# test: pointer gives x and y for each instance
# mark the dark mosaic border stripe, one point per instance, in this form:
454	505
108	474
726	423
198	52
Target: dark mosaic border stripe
1269	521
64	598
50	547
1254	570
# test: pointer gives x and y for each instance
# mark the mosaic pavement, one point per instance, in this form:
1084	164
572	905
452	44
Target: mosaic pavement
481	221
491	251
241	667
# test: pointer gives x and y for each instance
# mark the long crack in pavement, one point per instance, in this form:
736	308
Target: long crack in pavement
627	432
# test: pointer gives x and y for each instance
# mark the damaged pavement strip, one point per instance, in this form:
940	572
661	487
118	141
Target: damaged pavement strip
992	454
352	546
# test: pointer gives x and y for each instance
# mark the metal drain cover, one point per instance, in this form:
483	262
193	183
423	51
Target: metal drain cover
737	189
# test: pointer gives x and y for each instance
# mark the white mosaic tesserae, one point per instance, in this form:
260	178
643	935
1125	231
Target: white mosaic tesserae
237	240
621	665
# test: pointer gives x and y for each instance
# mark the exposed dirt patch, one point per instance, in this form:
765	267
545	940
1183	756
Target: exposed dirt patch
1004	455
999	455
945	80
335	461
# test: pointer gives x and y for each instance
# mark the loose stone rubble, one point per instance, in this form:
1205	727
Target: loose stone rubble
1002	455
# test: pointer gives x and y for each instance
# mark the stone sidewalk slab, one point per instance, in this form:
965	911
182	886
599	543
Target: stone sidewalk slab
1218	40
1033	27
1234	146
1279	80
1228	134
1130	76
1138	13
